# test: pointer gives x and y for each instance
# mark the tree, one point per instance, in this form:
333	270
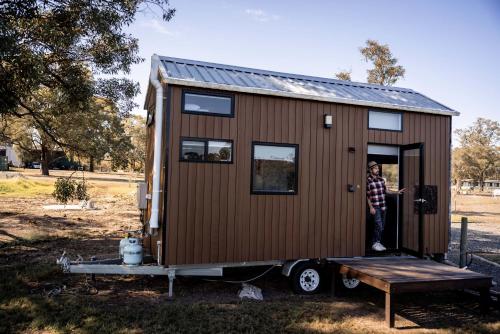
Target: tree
74	48
27	134
97	133
478	154
343	75
385	71
135	129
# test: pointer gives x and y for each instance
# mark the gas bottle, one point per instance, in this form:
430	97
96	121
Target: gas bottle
132	252
123	243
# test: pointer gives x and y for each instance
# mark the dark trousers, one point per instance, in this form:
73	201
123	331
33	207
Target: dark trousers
379	223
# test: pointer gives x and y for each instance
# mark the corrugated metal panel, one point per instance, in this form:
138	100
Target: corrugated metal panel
196	71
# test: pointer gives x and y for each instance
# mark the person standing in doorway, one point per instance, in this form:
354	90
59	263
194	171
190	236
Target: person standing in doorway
375	196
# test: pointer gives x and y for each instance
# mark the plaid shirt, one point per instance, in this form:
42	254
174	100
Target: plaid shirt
375	191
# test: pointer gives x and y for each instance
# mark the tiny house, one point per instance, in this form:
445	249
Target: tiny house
254	166
249	167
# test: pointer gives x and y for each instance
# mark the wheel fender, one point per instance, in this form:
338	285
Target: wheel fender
289	265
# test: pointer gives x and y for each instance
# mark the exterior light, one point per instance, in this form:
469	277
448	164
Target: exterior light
328	121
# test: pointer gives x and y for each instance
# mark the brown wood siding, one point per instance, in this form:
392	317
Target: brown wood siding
212	217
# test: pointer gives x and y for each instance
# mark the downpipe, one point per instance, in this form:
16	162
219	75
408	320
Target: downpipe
158	119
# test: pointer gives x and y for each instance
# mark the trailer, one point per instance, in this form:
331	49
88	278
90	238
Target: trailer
249	167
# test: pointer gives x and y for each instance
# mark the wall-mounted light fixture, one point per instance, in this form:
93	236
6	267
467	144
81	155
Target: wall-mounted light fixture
328	121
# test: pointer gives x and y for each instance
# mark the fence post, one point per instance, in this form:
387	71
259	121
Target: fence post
463	243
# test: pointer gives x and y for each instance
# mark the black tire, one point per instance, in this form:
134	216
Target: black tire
307	278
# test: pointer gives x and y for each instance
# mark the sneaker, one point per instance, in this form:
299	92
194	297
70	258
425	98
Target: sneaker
378	247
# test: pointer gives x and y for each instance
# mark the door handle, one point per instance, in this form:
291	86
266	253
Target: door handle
421	200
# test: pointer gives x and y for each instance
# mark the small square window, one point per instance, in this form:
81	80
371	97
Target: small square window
274	169
207	104
219	151
193	150
380	120
206	150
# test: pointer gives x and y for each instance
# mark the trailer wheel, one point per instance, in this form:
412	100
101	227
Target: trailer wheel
306	279
350	283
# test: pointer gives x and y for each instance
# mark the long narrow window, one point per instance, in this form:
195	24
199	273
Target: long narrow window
274	168
206	150
202	103
385	120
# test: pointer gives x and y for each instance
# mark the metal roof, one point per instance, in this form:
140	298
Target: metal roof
234	78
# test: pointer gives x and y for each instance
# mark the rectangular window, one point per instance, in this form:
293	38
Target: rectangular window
206	150
380	120
207	104
274	168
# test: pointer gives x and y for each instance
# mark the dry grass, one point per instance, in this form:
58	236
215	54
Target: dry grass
25	187
477	208
33	238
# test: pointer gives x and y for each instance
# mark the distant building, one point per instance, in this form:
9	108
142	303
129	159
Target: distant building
491	184
7	150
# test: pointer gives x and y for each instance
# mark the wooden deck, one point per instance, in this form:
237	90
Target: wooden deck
395	275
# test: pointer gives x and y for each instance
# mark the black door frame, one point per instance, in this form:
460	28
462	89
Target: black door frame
421	231
398	215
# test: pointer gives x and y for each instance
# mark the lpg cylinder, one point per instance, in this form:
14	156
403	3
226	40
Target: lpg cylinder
123	243
132	252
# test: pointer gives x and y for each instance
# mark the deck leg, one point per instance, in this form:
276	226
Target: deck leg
484	300
171	277
389	309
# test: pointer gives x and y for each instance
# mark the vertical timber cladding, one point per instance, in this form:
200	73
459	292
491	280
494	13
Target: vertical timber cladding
434	132
212	217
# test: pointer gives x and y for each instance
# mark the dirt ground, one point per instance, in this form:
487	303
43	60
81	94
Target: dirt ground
36	297
483	214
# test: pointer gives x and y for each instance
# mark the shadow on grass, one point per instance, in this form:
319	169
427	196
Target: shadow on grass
131	304
453	310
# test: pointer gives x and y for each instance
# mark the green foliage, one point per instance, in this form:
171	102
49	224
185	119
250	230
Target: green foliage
57	56
81	191
135	130
66	189
385	71
478	156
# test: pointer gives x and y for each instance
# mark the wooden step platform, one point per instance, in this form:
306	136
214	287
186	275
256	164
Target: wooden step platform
398	274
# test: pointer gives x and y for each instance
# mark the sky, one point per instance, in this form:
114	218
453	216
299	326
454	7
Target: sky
450	49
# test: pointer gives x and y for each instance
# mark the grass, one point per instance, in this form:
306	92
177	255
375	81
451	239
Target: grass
127	304
26	307
494	257
22	187
477	208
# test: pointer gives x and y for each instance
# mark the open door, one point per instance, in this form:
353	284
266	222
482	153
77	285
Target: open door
411	177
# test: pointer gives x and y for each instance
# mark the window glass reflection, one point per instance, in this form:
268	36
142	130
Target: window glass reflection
199	103
193	150
219	151
275	169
